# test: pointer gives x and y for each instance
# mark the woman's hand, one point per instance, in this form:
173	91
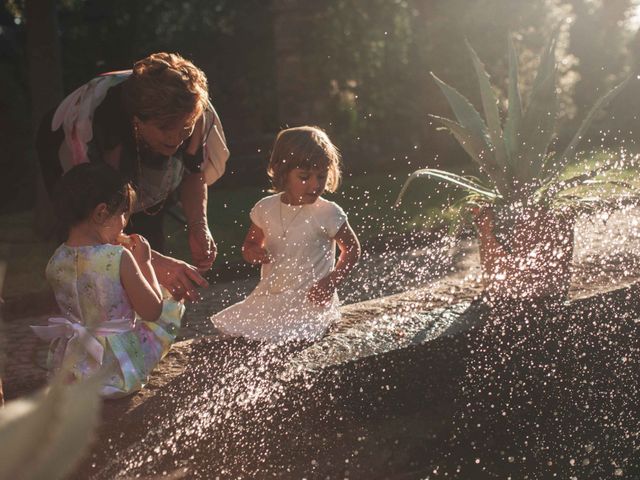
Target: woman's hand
322	292
178	277
203	248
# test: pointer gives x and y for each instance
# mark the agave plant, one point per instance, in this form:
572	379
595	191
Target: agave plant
526	242
514	157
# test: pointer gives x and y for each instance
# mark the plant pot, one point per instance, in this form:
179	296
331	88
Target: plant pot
534	262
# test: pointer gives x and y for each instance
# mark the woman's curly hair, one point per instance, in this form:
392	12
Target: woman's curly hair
165	86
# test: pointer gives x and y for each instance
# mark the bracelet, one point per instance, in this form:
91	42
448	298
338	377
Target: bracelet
198	222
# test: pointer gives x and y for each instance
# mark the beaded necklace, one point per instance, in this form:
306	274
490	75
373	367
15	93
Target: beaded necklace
285	230
159	206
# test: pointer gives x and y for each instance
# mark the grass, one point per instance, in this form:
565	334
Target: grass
619	181
25	255
367	199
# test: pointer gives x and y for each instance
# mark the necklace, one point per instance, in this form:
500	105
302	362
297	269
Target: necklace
285	230
153	209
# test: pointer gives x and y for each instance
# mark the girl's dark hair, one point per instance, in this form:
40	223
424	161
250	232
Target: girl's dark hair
84	187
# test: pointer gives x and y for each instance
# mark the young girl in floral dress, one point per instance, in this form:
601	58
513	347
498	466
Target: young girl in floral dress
115	319
293	235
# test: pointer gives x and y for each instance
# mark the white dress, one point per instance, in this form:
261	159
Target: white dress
300	241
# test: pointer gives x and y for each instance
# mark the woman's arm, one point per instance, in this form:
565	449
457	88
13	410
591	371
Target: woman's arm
144	297
349	247
253	250
193	195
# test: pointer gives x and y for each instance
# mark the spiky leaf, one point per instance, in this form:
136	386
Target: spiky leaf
600	104
474	145
514	112
477	150
449	177
538	121
490	107
464	111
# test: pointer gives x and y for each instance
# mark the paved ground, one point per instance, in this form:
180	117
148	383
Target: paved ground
376	275
607	255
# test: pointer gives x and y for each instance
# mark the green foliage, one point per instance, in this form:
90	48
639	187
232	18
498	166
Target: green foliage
356	51
605	50
44	436
516	162
232	42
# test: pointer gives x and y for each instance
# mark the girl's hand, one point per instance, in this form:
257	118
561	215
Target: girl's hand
255	254
137	245
322	292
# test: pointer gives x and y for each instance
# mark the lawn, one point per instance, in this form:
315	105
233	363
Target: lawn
367	199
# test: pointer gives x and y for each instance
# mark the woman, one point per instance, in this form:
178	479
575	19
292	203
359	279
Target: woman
156	125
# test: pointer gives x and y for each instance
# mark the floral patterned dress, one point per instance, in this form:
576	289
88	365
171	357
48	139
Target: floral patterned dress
98	329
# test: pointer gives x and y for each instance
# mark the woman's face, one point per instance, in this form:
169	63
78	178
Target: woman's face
166	137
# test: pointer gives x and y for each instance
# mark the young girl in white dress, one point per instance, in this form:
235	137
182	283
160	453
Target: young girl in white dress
114	316
293	235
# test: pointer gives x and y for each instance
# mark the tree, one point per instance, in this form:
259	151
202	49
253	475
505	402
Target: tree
45	86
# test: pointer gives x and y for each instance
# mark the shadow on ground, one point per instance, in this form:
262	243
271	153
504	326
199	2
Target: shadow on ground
514	390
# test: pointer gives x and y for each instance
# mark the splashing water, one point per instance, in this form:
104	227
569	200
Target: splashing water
521	391
207	417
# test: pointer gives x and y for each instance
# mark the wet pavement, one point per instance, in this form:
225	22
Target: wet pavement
376	275
606	256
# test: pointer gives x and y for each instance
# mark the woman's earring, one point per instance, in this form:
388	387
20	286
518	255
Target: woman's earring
136	135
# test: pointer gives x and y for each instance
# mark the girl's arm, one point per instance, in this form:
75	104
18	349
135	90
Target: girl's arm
349	247
253	250
139	280
143	255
